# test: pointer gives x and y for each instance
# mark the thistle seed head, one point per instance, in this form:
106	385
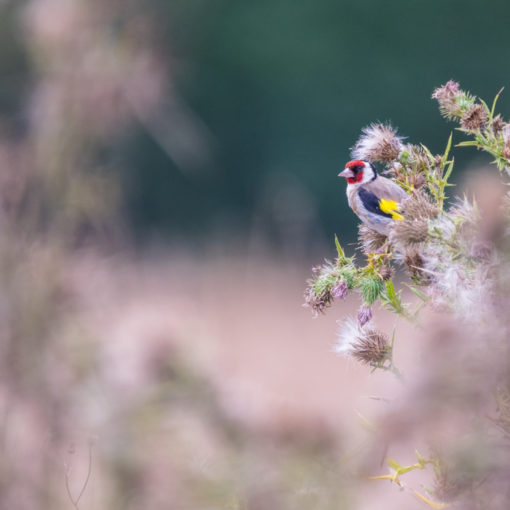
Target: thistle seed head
371	348
409	232
475	118
414	263
497	124
370	240
419	206
368	346
506	136
417	181
413	229
386	272
379	142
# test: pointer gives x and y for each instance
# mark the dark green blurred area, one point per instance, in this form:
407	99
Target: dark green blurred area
283	88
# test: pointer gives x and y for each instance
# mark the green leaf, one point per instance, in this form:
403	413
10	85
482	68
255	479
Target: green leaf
407	469
421	459
448	147
493	109
339	249
481	139
467	143
390	290
485	105
448	171
394	464
418	293
427	151
392	301
493	152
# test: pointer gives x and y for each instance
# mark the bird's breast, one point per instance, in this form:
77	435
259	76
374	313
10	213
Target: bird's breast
353	199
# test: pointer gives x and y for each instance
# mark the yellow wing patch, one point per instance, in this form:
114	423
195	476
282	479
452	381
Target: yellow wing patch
390	207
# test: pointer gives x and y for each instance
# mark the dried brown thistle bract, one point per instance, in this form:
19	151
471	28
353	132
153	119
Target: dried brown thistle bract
475	118
414	263
386	272
417	181
371	347
317	302
497	124
506	141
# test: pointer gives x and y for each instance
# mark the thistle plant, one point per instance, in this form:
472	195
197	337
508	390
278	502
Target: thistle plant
431	243
456	259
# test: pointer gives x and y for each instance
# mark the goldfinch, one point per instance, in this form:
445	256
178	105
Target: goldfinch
374	199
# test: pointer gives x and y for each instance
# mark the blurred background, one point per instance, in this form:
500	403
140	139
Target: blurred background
240	114
168	172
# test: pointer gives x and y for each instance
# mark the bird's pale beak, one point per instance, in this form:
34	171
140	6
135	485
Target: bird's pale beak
346	173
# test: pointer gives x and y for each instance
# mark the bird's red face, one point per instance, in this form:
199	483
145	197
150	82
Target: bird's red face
354	171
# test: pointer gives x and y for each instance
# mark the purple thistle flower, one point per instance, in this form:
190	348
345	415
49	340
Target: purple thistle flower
364	315
450	88
453	102
340	290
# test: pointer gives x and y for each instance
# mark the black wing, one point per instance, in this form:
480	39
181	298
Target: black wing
371	202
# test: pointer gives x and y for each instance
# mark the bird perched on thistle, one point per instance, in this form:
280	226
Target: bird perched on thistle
373	198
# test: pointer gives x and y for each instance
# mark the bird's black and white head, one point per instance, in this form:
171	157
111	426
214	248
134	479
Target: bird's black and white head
358	172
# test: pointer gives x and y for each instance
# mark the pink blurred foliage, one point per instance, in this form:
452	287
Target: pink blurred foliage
193	381
131	382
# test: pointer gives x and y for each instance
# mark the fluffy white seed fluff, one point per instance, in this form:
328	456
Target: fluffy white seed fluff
347	337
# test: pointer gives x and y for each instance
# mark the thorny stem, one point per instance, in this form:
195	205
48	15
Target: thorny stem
412	161
399	470
398	374
427	253
391	368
